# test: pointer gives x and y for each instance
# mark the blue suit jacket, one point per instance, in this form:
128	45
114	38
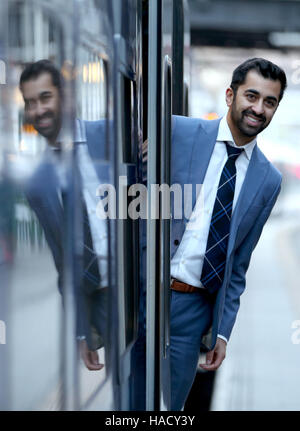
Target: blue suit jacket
193	141
42	187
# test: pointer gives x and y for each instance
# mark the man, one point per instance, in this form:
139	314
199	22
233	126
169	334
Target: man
240	188
47	190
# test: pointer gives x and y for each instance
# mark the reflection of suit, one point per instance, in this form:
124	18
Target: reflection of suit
43	192
192	146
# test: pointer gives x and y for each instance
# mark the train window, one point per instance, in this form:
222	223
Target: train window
93	302
54	247
95	169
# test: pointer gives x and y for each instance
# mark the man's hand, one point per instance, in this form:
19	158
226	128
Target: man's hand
89	357
215	357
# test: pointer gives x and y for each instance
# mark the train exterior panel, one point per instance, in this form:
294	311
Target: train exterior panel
74	142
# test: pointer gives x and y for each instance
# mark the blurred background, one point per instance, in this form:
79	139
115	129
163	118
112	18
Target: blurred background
261	370
39	361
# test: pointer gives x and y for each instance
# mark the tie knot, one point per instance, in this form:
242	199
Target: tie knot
233	152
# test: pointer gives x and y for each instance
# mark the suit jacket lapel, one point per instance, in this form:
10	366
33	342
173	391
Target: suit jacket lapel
191	168
203	146
257	170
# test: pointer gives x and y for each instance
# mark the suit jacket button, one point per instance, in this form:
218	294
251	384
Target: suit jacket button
176	241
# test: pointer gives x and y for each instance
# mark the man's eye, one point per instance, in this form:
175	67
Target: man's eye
250	96
29	105
45	98
270	103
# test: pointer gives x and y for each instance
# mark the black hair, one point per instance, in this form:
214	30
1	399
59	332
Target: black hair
266	68
35	69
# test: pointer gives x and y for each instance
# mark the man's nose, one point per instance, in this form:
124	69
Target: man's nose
40	109
258	107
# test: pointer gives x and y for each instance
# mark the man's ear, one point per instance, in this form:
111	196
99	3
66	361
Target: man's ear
229	96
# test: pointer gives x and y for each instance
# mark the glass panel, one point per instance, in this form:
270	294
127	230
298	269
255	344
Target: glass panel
28	230
54	245
95	171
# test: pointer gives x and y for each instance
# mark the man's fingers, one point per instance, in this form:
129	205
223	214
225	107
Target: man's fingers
213	366
215	357
94	357
209	357
90	357
93	361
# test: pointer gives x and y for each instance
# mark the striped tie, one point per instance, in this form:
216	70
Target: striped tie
90	259
216	248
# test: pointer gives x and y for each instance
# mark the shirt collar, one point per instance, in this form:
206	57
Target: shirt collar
80	134
224	134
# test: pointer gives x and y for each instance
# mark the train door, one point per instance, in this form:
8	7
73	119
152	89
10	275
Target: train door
56	267
96	164
158	222
166	95
128	140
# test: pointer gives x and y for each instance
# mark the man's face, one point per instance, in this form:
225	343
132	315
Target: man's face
252	107
43	106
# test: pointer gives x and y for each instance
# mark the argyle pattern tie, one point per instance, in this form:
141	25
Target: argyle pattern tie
90	259
216	248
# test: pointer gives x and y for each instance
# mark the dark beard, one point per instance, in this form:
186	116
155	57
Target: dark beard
50	132
245	129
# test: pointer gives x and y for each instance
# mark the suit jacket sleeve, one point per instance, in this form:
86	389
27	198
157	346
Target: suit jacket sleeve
240	265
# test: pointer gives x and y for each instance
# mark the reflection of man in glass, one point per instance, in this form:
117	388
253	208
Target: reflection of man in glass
42	90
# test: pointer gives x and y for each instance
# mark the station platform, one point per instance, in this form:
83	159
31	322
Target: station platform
261	371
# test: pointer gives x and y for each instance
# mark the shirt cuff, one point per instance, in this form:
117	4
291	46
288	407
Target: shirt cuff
222	338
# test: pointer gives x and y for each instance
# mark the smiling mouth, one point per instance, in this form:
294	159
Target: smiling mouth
253	121
44	123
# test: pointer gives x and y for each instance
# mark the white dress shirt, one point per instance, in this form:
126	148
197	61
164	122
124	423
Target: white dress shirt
187	262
